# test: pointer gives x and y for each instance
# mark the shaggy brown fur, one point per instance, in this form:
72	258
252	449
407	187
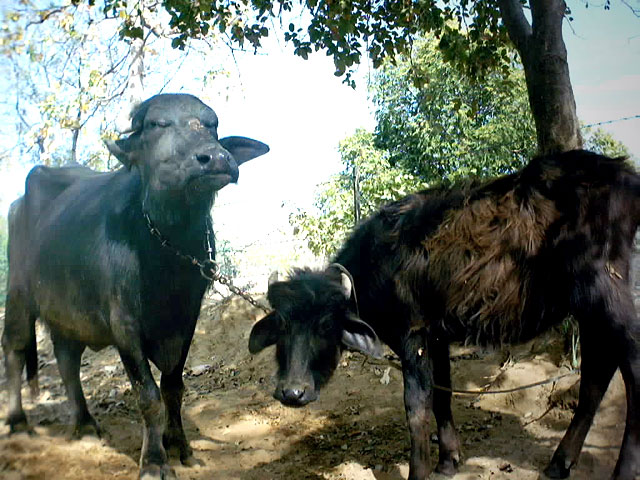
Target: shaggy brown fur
468	262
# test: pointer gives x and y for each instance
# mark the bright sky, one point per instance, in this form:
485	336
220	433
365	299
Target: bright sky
604	62
301	110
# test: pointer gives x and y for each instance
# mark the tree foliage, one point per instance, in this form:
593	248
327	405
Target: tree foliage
66	68
326	227
599	141
348	29
473	35
71	66
439	130
441	125
433	125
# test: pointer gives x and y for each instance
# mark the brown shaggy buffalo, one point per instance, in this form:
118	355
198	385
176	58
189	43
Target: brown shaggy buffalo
495	262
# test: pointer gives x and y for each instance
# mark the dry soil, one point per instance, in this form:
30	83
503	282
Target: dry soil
356	430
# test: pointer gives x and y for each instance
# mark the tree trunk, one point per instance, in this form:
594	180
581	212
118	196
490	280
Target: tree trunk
73	158
74	139
544	57
134	92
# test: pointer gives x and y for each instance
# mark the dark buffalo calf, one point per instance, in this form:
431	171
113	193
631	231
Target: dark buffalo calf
491	263
83	258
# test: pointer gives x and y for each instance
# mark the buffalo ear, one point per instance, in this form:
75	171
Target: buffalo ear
264	333
358	335
120	150
243	149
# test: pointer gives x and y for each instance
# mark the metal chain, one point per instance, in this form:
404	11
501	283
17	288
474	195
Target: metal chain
507	390
209	268
457	391
226	281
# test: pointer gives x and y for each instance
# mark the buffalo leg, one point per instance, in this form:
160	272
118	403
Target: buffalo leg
68	355
153	457
628	465
14	364
17	338
172	388
418	401
606	326
449	445
596	373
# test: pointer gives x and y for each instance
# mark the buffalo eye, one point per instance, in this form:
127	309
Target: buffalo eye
158	123
326	325
212	127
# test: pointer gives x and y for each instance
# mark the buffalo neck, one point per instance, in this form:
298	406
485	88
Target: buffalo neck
184	225
173	213
372	267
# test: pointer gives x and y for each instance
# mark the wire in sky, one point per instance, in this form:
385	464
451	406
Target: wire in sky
606	122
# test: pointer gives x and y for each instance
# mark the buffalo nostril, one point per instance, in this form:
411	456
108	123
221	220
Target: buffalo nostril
203	158
223	157
293	394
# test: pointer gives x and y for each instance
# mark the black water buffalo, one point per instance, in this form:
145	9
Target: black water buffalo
489	263
84	258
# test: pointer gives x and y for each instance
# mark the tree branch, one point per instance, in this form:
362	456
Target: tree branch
44	16
19	113
635	11
518	26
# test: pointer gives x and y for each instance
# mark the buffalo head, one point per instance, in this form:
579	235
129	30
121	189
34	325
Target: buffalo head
312	322
174	144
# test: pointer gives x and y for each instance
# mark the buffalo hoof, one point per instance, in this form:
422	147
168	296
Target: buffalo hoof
157	472
88	427
557	470
449	449
176	445
191	461
449	468
19	424
448	462
184	454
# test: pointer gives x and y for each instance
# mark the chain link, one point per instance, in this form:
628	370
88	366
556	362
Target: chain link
226	281
209	268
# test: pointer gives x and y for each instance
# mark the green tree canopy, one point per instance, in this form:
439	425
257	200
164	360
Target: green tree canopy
67	65
474	35
326	227
599	141
428	132
441	125
346	30
71	67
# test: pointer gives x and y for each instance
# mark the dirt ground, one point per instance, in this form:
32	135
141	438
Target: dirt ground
356	430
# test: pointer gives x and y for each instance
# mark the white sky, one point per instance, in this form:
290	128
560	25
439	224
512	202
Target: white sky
604	63
301	110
